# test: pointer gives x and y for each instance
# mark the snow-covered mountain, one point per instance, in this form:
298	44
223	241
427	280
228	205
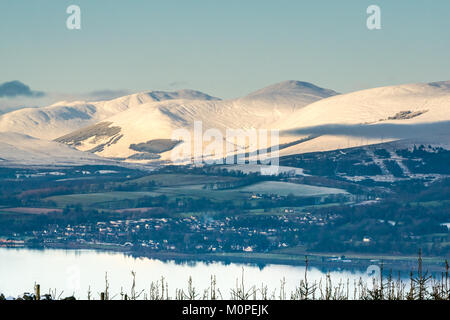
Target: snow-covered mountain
16	148
63	117
303	93
309	118
140	127
126	135
412	111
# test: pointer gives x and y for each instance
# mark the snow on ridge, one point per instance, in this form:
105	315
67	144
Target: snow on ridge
142	117
18	148
291	88
63	117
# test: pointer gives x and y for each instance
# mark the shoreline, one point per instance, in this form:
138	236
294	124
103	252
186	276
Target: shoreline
323	261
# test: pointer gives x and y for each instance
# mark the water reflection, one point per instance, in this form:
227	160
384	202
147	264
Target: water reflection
75	271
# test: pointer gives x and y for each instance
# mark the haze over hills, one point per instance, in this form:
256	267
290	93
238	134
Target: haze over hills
139	127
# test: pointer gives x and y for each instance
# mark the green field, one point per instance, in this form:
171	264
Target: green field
286	188
170	179
190	186
436	203
281	210
196	192
92	199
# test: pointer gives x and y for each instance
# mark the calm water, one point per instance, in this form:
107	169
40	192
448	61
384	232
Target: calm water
73	271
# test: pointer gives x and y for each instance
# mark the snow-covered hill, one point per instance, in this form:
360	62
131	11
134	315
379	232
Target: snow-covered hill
154	122
63	117
303	93
21	149
140	127
413	111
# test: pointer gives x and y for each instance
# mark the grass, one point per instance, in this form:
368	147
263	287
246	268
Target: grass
437	203
29	210
173	180
91	199
190	186
197	192
281	210
191	191
286	188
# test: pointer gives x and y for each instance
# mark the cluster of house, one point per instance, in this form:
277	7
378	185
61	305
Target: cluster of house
11	243
191	233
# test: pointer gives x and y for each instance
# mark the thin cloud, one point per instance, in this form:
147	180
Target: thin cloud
16	88
11	100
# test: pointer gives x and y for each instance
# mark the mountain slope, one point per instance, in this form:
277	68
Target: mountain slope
302	92
413	111
141	127
157	121
63	117
17	148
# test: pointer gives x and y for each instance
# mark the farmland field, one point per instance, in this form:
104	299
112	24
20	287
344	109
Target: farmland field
97	198
286	188
179	179
31	210
193	186
293	210
197	191
193	191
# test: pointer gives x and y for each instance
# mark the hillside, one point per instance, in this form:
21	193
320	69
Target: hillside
21	149
420	112
63	117
156	121
140	127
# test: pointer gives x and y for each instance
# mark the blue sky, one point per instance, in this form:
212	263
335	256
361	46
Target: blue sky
224	48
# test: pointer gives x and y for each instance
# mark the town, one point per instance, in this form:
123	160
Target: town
191	234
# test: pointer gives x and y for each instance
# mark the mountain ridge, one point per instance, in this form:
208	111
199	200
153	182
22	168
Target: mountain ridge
309	118
50	122
258	110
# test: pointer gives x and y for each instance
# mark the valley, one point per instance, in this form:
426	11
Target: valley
358	173
340	202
